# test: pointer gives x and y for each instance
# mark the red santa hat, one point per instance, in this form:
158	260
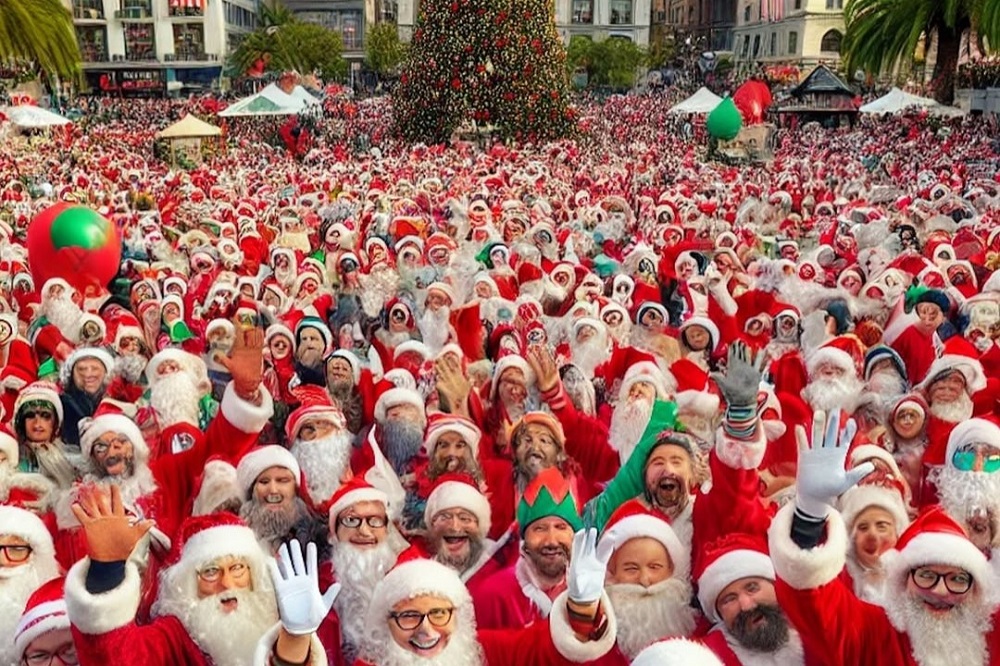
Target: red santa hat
649	372
934	538
414	578
395	397
44	612
506	363
358	489
442	288
109	418
677	652
632	520
528	273
959	355
279	329
204	539
66	369
40	391
458	491
122	324
844	351
23	524
439	423
972	431
694	390
726	560
189	363
314	402
263	458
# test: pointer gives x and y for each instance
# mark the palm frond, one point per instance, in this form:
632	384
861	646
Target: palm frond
883	33
40	31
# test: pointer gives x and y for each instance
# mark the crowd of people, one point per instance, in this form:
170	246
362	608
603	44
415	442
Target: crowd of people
596	401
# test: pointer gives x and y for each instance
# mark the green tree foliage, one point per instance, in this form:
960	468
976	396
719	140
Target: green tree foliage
40	32
384	52
611	62
884	33
285	43
497	62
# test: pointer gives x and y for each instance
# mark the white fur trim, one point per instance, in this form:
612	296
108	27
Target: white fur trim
352	498
189	362
36	483
972	431
398	396
265	648
807	569
866	452
459	495
211	543
971	369
854	502
66	369
95	614
244	416
414	346
117	423
837	357
9	447
468	430
944	549
647	371
738	453
218	484
699	402
260	459
21	523
13	383
727	569
41	619
708	325
565	640
639	526
506	363
413	579
677	652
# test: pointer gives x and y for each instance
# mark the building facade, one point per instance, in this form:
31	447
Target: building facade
800	32
147	47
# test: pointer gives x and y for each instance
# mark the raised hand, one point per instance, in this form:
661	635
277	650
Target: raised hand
543	364
821	475
740	383
301	607
245	362
111	534
451	381
588	567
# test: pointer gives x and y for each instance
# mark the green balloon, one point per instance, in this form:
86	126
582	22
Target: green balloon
81	227
725	121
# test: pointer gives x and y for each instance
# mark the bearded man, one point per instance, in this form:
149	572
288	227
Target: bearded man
178	385
510	397
885	375
833	376
435	323
950	384
27	560
589	345
55	331
313	341
320	443
84	378
343	377
269	478
643	384
939	595
217	603
400	419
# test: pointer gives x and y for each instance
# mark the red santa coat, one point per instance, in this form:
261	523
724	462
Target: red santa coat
586	438
511	599
916	348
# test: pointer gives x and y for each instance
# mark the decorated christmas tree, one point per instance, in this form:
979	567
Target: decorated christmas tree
498	63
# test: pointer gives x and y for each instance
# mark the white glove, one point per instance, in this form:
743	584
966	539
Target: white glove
588	567
296	585
821	475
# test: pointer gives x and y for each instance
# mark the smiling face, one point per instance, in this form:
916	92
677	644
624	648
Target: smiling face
353	524
39	422
452	453
697	337
668	478
946	388
548	544
640	561
939	587
224	574
429	638
274	488
88	375
874	533
113	453
536	448
454	537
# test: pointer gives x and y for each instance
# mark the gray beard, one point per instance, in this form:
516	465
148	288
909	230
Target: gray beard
270	526
323	462
401	441
648	615
955	411
628	422
175	399
461	566
828	395
130	367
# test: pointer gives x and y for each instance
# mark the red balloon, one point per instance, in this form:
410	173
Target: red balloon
753	99
87	266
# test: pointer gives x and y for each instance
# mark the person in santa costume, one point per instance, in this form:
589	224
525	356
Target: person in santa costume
968	484
221	601
400	420
280	356
84	377
509	397
38	417
917	344
320	443
268	477
885	375
27	560
55	331
178	387
43	633
421	612
906	438
313	342
834	378
27	490
677	652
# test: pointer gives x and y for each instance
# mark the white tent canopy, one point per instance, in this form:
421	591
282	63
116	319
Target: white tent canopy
703	101
897	100
33	117
189	127
272	101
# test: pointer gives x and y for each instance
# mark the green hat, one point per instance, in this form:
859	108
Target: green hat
549	494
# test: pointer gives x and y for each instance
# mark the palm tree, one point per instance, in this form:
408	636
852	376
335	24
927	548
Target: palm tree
40	32
884	33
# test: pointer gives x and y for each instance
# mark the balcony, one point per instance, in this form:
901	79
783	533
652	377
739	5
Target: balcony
186	12
88	10
190	56
135	10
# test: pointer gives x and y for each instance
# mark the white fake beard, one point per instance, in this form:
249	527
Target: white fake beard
285	277
358	570
16	585
323	461
393	340
175	397
628	422
434	328
830	394
462	650
649	614
296	240
621	333
953	412
130	367
589	355
64	315
553	294
886	384
230	639
964	495
957	637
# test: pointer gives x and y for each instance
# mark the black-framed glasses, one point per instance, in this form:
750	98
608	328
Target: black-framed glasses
66	654
957	582
410	620
39	414
354	522
16	553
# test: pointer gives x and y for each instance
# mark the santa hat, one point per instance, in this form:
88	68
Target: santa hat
528	273
443	288
318	324
858	499
708	325
411	347
348	494
122	324
189	363
844	351
26	525
175	280
632	520
647	371
934	538
506	363
44	612
279	329
39	391
881	353
204	539
9	447
646	306
352	360
314	401
726	560
109	418
959	355
260	459
549	494
414	578
439	423
66	369
972	431
218	484
677	652
694	391
458	491
399	396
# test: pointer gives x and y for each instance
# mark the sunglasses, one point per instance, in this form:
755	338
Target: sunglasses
38	414
965	461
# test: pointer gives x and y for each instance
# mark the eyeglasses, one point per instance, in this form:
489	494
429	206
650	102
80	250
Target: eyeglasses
465	518
213	572
957	582
66	654
354	522
16	553
965	460
39	414
101	447
410	620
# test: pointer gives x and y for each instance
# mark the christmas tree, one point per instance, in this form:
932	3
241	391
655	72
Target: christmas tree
495	62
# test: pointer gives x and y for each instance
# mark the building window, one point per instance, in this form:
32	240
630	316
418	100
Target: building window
621	12
756	46
180	8
831	42
833	4
774	44
390	10
746	14
793	43
140	42
189	42
351	29
93	42
746	47
88	9
798	4
583	11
